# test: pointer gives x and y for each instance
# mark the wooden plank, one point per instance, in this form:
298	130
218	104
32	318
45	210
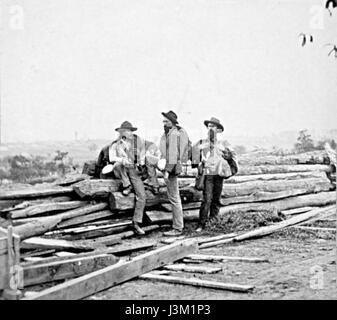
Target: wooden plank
163	216
66	254
192	269
46	208
29	203
297	211
35	192
38	227
275	176
96	188
69	255
198	282
86	218
115	238
57	244
127	249
212	258
272	169
66	269
110	276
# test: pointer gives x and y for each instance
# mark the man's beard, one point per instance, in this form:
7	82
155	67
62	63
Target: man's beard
166	129
211	135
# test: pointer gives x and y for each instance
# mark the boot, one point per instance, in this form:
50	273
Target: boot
137	229
126	191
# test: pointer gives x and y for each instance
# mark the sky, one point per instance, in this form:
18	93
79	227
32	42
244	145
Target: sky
78	68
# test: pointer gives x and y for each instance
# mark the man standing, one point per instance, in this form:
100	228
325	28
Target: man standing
217	162
128	155
174	151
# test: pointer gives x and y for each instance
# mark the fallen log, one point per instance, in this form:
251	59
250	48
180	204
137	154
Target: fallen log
46	208
248	188
65	269
308	200
72	179
192	269
315	157
35	192
115	238
197	282
272	169
117	201
276	176
263	196
97	233
96	188
110	276
82	211
28	203
36	228
163	217
87	217
57	244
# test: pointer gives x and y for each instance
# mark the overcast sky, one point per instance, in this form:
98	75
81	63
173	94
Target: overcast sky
85	66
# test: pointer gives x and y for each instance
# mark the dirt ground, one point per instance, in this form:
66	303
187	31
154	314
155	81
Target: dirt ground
301	266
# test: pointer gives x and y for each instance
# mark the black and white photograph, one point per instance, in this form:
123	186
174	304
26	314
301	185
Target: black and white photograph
168	150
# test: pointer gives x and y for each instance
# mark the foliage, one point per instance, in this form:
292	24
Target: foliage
25	168
304	142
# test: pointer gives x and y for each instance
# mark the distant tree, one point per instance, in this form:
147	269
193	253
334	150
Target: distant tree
304	142
320	144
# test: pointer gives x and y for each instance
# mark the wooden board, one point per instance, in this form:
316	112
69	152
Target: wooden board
110	276
198	282
211	258
192	269
87	217
65	269
297	211
46	208
57	244
35	192
96	188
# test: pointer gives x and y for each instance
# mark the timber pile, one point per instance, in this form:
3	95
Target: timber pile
76	225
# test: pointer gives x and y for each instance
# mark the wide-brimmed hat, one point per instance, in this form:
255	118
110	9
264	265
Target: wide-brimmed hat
126	125
214	121
171	116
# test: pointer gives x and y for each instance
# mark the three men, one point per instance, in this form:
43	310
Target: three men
131	157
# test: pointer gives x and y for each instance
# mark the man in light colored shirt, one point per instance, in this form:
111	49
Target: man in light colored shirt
216	161
128	155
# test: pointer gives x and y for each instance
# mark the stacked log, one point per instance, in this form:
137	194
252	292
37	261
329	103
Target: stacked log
83	213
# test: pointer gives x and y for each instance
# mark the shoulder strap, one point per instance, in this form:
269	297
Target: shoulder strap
135	159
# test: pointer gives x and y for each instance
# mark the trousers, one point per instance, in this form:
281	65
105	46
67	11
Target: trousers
211	198
130	176
174	198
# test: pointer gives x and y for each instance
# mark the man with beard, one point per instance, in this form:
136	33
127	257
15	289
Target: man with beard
174	151
216	162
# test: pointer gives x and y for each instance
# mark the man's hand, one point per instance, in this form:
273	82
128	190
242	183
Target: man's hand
126	162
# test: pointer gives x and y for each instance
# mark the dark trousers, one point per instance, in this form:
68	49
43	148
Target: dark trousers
211	198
